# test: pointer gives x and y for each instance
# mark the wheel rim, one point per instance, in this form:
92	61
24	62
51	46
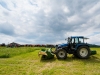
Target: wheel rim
61	54
83	52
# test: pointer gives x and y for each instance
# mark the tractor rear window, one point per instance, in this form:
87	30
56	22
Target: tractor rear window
81	40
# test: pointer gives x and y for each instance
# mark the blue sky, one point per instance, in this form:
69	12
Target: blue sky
49	21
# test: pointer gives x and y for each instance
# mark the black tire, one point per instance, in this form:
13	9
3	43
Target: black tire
83	52
61	54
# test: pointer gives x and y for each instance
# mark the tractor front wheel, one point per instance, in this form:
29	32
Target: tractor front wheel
83	52
61	54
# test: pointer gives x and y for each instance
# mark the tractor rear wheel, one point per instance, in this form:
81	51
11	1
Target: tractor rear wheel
83	52
61	54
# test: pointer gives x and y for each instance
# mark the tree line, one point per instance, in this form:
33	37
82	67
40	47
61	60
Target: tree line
13	44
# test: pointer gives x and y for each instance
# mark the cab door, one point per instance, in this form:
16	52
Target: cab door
75	42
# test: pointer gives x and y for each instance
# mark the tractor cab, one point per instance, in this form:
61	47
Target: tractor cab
75	41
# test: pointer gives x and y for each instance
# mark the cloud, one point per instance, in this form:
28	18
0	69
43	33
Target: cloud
3	4
94	9
49	21
7	29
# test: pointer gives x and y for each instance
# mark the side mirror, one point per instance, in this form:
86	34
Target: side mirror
66	39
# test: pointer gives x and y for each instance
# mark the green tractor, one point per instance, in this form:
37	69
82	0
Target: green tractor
75	45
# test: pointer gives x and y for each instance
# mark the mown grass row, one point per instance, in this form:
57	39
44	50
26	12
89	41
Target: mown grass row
10	52
28	63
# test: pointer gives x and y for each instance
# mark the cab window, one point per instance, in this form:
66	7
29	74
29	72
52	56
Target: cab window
81	40
76	40
72	40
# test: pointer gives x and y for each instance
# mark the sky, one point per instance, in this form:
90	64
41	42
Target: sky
49	21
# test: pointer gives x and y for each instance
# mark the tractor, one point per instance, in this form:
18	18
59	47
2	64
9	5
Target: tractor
75	45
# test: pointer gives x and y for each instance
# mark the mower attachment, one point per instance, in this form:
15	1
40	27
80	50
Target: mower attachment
46	54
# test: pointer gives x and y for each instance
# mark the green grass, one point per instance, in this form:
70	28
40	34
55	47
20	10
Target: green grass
10	52
25	61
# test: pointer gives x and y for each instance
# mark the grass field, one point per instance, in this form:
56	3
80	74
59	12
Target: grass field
25	61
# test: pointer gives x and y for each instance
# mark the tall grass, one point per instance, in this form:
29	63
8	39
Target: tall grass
10	52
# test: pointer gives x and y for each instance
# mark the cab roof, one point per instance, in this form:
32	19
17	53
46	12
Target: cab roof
79	37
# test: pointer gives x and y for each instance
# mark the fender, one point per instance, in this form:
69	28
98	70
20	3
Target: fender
62	45
78	45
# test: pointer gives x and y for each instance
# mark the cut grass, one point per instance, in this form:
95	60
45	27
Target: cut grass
28	63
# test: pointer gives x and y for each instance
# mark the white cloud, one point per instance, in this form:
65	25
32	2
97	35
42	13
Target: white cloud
48	21
65	9
74	18
94	8
6	39
95	39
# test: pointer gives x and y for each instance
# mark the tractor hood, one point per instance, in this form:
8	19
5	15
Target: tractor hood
62	45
